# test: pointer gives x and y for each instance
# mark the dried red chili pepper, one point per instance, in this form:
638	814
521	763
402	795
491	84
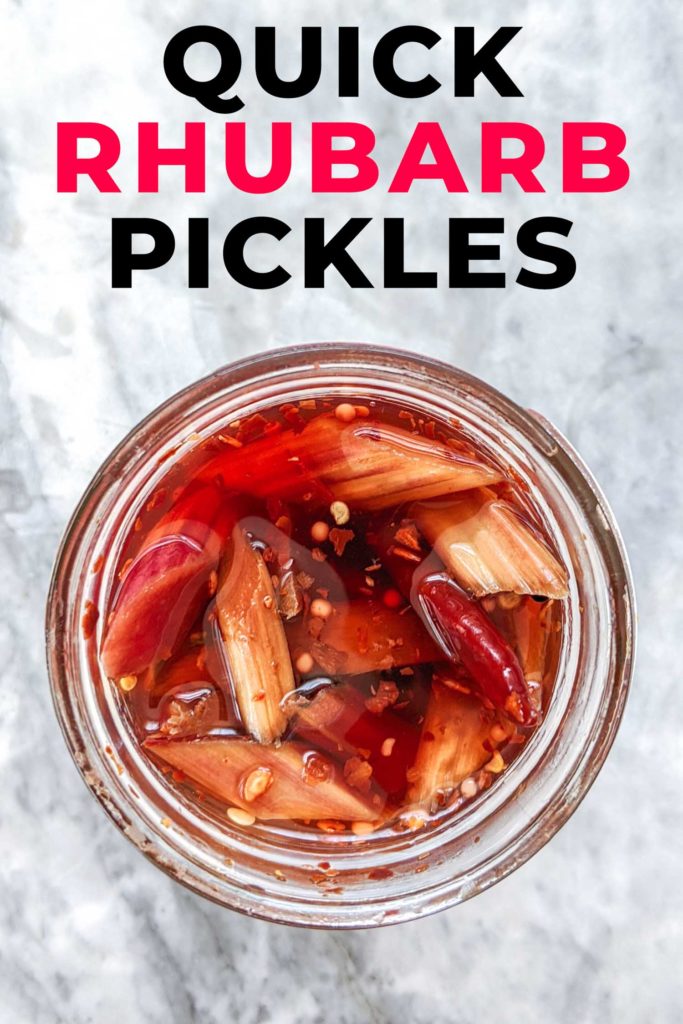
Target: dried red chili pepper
461	627
466	634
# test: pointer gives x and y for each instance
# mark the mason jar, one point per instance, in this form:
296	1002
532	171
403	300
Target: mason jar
278	872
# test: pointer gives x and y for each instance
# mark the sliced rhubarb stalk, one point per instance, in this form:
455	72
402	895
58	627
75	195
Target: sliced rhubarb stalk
367	635
365	464
454	732
254	642
162	591
489	546
466	634
236	771
337	720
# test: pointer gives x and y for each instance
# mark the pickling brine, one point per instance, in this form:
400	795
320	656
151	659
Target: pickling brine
335	613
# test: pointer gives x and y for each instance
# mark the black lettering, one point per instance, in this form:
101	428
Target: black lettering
395	274
265	61
124	261
529	245
348	61
233	252
198	252
461	251
383	61
469	64
321	254
209	92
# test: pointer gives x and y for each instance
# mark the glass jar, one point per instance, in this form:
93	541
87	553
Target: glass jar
331	880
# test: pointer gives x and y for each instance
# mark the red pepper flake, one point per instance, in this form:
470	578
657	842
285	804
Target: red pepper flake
252	427
284	523
404	553
125	567
89	620
387	694
358	773
97	565
156	499
232	442
318	555
339	539
304	580
290	413
379	874
405	415
408	536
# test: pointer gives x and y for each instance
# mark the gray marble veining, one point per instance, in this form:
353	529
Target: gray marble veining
590	929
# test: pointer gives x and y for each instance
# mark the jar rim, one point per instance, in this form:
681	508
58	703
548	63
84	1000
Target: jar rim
290	366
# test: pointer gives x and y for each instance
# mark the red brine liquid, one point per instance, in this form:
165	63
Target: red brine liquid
337	614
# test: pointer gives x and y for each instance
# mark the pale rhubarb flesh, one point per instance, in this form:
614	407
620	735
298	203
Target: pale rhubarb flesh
451	748
226	767
489	546
254	643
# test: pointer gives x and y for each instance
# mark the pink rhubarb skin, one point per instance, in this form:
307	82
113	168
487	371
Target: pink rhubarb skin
164	588
368	465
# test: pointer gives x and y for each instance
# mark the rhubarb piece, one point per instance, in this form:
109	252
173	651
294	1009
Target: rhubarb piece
368	465
489	546
254	642
163	588
337	720
452	746
369	636
226	767
466	634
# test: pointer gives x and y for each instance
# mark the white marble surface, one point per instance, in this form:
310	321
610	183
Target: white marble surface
590	930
